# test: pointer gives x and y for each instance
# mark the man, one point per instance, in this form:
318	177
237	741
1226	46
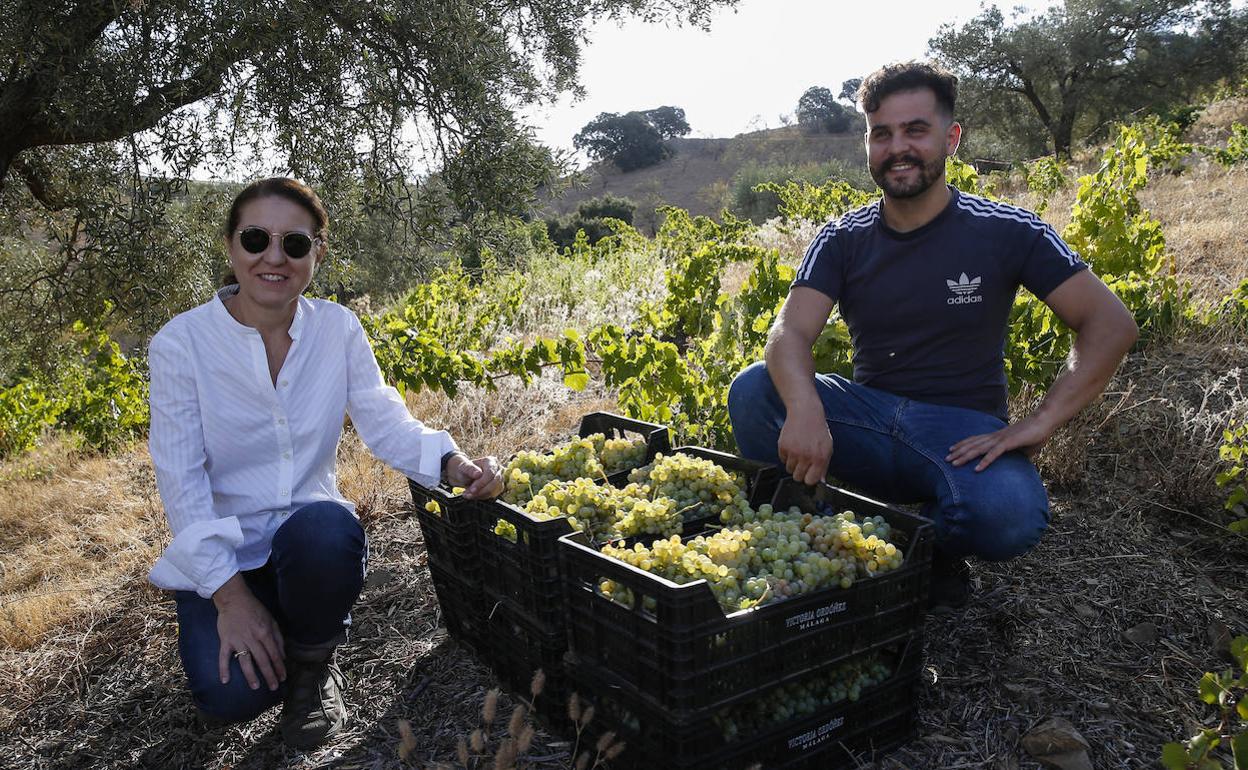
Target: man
925	279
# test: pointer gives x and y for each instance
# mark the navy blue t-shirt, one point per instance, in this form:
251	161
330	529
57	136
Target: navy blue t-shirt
927	310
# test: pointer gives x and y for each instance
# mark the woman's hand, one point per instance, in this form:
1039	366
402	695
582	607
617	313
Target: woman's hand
481	478
248	632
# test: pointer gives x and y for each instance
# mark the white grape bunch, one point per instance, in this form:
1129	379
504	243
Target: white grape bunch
604	512
701	488
770	555
591	457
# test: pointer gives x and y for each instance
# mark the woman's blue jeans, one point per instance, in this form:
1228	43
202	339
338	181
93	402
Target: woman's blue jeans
894	448
313	576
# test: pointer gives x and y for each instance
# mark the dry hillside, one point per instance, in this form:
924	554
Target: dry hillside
698	175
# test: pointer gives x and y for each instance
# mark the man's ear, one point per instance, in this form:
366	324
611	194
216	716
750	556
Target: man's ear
953	138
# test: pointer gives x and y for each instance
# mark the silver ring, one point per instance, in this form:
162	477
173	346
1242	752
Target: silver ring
241	653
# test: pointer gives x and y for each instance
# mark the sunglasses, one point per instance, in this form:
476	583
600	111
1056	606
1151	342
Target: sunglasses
297	245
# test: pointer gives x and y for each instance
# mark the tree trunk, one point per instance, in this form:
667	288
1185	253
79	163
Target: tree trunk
6	160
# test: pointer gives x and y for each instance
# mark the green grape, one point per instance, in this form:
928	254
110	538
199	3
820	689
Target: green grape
530	471
591	457
846	681
701	488
770	556
604	512
618	454
506	530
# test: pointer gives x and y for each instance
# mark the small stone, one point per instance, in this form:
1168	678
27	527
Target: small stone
1142	634
378	577
1220	640
1086	612
1056	743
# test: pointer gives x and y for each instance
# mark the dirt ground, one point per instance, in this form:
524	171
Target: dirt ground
1046	635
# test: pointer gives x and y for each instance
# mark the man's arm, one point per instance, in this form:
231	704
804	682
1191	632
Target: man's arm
805	445
1104	332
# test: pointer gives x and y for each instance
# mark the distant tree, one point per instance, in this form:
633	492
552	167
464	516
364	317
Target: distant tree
849	90
590	216
1082	64
607	207
819	112
632	140
669	121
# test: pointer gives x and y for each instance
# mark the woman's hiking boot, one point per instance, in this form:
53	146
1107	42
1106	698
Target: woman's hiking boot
313	710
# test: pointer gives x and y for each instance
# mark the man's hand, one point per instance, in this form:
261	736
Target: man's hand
805	447
481	478
249	633
1028	434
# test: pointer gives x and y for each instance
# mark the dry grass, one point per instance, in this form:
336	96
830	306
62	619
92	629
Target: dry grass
1203	215
1214	124
73	531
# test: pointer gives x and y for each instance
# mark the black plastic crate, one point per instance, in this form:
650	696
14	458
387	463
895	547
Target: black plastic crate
451	533
676	648
461	605
515	649
834	736
526	572
658	437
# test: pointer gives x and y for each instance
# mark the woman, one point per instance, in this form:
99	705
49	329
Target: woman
248	393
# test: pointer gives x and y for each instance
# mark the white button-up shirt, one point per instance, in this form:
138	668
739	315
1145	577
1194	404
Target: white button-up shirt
235	454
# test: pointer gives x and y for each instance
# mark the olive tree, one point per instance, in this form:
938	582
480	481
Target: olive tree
403	113
1079	65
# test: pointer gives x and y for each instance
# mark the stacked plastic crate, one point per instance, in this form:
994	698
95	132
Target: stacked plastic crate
681	681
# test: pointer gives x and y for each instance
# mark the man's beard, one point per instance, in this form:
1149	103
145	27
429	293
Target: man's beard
928	173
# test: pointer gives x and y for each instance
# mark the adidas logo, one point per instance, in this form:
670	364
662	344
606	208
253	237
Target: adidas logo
964	290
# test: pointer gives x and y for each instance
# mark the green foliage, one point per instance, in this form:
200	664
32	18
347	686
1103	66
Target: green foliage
1109	228
107	109
591	216
633	140
1236	150
815	202
104	392
1028	66
96	392
1233	308
1228	693
1045	176
964	177
26	410
1166	150
1234	453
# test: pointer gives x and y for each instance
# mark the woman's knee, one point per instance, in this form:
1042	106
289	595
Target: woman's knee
319	525
234	701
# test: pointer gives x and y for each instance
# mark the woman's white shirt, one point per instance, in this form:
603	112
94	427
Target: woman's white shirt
235	454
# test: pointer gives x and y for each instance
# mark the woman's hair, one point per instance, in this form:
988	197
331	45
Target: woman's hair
279	187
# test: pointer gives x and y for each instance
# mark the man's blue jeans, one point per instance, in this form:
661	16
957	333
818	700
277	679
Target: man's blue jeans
313	576
894	449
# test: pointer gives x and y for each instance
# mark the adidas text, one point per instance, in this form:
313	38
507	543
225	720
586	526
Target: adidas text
964	300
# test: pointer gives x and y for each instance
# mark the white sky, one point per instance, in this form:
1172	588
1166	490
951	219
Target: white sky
751	66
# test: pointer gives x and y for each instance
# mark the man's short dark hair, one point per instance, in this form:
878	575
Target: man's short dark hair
908	76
